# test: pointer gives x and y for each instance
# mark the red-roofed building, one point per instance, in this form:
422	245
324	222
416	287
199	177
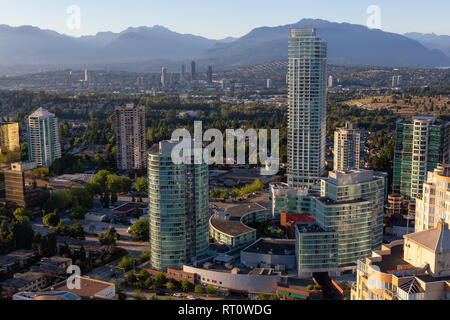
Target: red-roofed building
288	221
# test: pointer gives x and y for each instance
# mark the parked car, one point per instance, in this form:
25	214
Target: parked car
178	295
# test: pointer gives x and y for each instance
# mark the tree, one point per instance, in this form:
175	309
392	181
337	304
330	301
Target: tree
101	178
126	264
145	256
198	289
6	214
140	230
78	213
51	219
141	185
143	275
161	279
131	277
22	232
170	286
21	212
62	230
109	238
45	245
77	231
211	289
263	296
186	285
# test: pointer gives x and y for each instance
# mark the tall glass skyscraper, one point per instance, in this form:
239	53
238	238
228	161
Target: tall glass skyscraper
422	145
178	206
307	82
43	137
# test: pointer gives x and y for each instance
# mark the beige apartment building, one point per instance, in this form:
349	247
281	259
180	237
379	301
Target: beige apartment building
10	139
434	205
416	268
131	137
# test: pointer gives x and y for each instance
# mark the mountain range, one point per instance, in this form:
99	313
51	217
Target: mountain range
432	41
145	48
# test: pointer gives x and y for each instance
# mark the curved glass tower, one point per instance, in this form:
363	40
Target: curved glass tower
307	83
178	206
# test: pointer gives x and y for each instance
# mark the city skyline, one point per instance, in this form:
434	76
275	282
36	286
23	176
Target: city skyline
398	17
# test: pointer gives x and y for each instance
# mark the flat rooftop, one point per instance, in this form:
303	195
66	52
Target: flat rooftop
298	284
89	288
233	226
272	247
393	261
310	228
241	210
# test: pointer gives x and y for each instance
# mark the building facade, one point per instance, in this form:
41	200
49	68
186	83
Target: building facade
131	137
43	137
359	197
193	71
178	207
348	148
307	83
164	77
18	192
9	138
434	205
316	249
350	205
416	268
209	75
422	144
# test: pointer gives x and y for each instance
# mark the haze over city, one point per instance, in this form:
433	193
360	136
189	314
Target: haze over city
217	19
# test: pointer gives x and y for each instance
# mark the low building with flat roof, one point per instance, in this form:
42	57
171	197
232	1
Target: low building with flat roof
230	227
236	277
90	289
302	289
270	253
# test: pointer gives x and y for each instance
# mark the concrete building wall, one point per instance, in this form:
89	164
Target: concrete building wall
240	282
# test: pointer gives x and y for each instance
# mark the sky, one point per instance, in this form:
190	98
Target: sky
217	19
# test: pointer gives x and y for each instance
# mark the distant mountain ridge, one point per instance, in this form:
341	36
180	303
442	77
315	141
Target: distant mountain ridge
432	41
348	44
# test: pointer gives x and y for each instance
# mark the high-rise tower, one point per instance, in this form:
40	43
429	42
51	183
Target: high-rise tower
131	137
178	206
192	70
307	82
43	137
348	148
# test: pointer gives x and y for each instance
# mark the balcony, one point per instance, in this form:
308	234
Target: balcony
403	295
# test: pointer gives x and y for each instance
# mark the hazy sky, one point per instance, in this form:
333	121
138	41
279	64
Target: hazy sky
222	18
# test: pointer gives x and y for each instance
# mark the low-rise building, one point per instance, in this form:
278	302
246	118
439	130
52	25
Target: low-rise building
90	289
16	260
303	289
236	278
270	253
230	227
36	280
